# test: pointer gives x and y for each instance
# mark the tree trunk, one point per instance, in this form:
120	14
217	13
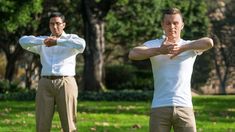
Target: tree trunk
10	69
32	70
11	61
221	70
93	56
93	13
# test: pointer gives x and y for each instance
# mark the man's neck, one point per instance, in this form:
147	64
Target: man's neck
174	40
55	35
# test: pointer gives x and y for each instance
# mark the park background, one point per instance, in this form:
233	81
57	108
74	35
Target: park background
111	28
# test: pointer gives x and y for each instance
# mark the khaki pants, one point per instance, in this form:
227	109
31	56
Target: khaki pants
62	92
163	118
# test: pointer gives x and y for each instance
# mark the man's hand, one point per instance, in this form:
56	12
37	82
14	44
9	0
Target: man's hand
175	51
168	47
50	41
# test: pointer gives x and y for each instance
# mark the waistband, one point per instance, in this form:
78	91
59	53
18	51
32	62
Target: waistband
54	77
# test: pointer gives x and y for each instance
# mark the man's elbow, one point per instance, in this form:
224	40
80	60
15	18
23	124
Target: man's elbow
131	56
210	43
82	45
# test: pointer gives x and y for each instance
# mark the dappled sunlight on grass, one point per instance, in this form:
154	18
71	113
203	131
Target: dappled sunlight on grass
103	121
213	114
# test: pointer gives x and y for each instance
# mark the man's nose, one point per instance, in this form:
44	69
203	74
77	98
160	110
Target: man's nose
172	25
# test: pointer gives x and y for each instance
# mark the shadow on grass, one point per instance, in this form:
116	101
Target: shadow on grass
119	107
215	108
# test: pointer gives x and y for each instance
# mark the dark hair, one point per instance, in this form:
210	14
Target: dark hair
171	11
57	14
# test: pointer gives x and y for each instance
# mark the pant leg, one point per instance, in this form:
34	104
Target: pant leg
66	100
184	120
44	105
160	119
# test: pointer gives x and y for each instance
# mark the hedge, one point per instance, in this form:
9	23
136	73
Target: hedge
88	96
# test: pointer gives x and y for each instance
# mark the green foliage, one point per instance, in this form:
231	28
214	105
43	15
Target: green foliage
202	69
130	23
9	87
120	77
125	95
133	21
17	14
137	21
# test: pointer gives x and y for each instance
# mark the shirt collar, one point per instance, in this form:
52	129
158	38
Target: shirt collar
62	35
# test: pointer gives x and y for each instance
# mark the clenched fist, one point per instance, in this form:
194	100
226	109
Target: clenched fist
50	41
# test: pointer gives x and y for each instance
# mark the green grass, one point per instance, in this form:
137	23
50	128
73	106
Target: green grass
213	114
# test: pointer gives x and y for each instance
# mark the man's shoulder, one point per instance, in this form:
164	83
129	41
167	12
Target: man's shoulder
69	35
183	41
153	43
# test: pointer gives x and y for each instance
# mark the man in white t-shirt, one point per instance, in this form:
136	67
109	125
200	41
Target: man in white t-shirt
172	60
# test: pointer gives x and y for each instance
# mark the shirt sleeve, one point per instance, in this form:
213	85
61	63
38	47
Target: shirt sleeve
153	43
32	43
198	52
73	42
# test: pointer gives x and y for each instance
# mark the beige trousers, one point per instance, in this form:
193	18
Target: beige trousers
163	118
61	92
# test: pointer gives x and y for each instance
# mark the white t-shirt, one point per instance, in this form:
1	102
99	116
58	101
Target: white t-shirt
172	77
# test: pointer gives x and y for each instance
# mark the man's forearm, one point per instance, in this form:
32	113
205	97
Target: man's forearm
202	44
140	53
72	42
29	41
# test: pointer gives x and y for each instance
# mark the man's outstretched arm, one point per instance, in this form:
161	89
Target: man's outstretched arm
202	44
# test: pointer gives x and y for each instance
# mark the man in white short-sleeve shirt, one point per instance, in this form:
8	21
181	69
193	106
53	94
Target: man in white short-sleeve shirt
172	60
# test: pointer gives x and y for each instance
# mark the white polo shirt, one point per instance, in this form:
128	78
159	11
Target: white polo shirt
172	77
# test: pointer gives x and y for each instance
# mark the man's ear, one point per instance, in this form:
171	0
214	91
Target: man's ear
64	24
182	26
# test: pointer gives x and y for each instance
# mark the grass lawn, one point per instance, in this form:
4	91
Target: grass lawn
213	114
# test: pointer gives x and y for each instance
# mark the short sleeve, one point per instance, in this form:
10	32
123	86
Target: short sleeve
153	43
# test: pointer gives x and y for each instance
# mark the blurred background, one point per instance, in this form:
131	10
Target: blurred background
111	28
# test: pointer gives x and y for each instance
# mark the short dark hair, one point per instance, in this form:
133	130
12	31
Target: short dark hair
171	11
57	14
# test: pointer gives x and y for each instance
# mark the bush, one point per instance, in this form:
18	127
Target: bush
125	95
19	96
121	77
9	87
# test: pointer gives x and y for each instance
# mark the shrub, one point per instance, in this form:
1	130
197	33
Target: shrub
9	87
121	77
125	95
19	96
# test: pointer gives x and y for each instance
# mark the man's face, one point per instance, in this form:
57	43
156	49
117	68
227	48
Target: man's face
57	26
172	25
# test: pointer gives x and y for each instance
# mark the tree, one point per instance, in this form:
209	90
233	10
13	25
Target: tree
223	31
16	15
93	13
